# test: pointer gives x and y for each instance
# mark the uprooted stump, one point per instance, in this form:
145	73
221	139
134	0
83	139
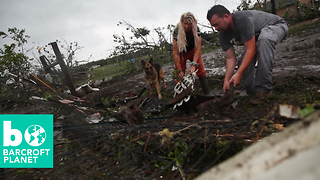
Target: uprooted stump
217	103
204	104
132	114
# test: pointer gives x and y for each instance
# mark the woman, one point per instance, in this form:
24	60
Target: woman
187	45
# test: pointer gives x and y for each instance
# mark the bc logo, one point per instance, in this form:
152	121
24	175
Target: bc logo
34	135
27	141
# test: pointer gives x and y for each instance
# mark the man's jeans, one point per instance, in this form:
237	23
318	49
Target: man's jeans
259	78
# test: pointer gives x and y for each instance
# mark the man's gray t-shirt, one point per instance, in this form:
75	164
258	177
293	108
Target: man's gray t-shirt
247	23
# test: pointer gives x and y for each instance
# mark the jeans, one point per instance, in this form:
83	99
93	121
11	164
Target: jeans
259	78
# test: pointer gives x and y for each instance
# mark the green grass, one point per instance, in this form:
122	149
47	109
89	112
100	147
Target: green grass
109	71
301	28
125	67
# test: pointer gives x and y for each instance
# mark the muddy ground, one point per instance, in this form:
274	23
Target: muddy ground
295	81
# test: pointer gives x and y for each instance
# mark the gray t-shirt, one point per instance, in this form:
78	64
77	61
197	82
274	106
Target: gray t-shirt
247	23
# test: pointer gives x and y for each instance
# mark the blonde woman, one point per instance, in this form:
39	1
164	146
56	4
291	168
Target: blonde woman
187	46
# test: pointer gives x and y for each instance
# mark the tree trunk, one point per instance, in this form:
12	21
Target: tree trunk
273	7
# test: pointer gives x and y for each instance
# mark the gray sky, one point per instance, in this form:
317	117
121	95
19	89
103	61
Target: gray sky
92	23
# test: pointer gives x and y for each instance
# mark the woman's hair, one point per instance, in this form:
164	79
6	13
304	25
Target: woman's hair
181	39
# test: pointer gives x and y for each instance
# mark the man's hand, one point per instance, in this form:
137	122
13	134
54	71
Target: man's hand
226	86
235	79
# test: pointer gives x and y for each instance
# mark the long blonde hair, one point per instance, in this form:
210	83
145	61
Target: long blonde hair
181	39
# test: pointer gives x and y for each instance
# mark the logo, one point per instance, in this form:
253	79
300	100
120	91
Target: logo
27	141
35	135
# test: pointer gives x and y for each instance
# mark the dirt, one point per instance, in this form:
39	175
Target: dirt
295	81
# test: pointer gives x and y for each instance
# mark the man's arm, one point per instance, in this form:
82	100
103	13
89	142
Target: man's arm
247	59
230	66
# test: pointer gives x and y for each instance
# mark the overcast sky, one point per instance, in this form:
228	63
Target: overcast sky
92	23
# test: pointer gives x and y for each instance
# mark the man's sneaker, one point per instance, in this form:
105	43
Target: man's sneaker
259	97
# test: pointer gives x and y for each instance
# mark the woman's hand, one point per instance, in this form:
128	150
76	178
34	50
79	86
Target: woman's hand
192	69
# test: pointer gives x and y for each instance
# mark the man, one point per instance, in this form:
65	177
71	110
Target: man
259	32
187	45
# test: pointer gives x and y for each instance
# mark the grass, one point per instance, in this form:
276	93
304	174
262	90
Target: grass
303	27
123	68
109	71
